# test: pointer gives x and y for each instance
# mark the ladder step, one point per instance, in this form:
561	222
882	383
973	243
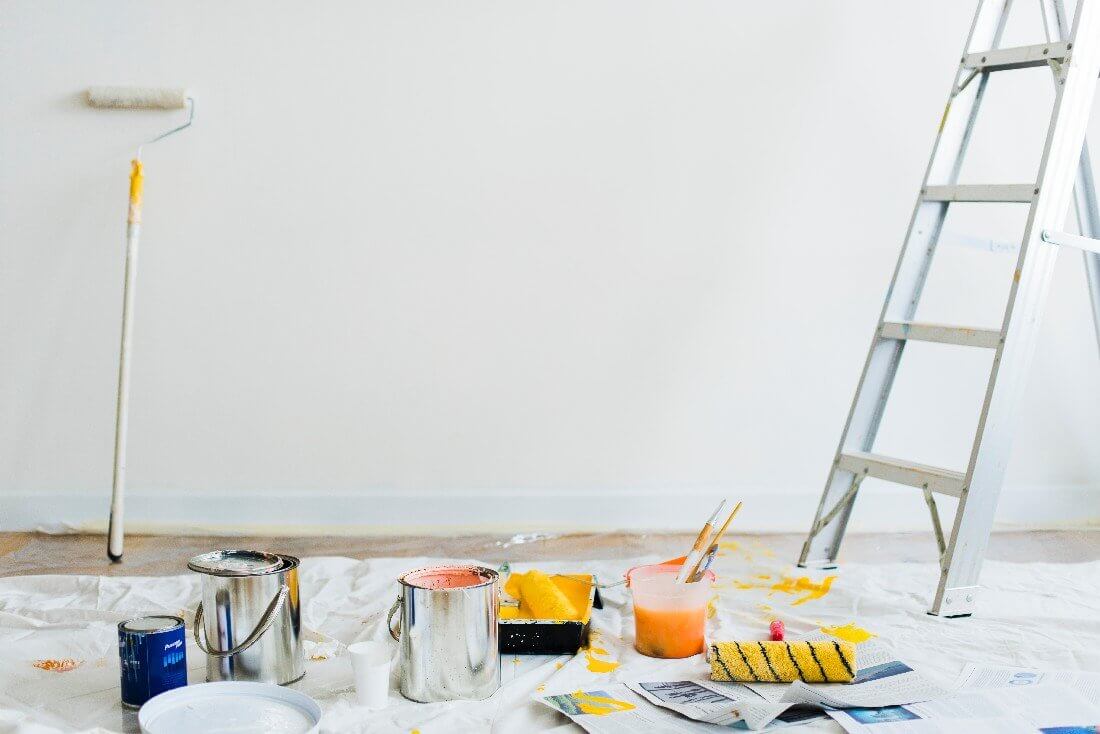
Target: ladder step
1008	193
1020	57
899	471
963	336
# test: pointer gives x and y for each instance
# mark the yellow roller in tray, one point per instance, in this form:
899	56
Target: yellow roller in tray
823	661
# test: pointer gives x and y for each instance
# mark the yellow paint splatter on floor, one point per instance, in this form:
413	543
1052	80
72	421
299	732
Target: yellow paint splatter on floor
764	607
849	633
600	705
541	687
595	664
806	588
763	577
559	665
712	607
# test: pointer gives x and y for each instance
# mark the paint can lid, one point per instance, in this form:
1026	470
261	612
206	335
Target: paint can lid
236	563
154	623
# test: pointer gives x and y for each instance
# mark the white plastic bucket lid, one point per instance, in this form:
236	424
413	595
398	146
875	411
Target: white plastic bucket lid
237	707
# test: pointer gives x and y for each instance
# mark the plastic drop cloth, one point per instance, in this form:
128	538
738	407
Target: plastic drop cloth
1036	615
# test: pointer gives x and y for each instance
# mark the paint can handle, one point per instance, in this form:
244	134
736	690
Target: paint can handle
261	627
389	619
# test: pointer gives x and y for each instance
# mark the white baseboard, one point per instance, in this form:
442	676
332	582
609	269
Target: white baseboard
312	513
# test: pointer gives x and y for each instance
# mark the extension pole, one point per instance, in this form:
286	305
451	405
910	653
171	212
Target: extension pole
115	526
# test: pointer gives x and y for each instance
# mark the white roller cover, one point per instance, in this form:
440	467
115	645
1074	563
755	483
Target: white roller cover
160	98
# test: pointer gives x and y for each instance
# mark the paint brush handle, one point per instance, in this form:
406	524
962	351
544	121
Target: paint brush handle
696	555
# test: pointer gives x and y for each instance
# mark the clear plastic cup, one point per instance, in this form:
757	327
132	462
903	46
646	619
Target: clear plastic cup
669	618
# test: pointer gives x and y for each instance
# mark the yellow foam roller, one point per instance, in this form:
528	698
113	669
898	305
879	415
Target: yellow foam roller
542	598
783	662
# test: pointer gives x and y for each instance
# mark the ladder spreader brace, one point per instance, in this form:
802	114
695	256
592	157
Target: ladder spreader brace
1065	175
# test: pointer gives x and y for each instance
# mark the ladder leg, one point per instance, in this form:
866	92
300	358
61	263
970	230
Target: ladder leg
823	542
1088	224
1061	159
1084	189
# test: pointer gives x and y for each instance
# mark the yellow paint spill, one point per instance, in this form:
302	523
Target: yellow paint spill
595	664
541	687
559	666
599	705
764	607
763	577
849	633
318	657
813	589
712	607
803	585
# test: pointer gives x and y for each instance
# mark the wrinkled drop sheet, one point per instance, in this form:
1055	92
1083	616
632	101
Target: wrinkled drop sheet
1037	615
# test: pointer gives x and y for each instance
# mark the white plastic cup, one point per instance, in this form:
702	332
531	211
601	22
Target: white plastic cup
371	662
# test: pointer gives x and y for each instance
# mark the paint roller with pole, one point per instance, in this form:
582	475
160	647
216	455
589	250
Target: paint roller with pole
131	98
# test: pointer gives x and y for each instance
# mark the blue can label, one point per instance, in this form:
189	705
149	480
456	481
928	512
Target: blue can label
152	657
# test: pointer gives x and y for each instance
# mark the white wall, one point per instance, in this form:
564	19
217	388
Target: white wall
520	264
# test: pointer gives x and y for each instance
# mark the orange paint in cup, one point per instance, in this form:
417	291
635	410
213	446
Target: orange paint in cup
669	618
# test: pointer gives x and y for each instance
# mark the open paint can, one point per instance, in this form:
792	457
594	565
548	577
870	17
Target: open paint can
249	620
447	633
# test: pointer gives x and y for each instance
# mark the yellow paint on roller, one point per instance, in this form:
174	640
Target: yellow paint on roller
599	705
849	633
783	662
596	665
549	597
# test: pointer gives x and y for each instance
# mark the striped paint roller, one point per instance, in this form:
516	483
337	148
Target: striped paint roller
823	661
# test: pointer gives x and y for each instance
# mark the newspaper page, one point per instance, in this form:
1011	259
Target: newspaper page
725	704
1001	676
616	709
1042	709
881	680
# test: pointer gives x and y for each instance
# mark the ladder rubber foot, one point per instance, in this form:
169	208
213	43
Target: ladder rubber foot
818	566
114	558
949	616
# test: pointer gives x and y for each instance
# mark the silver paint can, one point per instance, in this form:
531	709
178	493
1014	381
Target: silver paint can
249	620
447	633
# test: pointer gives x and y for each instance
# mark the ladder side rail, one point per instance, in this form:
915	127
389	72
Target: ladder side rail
1031	282
1084	189
903	295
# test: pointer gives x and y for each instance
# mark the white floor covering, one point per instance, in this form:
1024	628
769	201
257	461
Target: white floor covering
1041	615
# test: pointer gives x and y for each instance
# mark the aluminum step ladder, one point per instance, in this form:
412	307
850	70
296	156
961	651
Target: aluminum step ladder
1065	174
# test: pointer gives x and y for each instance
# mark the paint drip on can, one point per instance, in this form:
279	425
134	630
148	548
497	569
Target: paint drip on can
152	657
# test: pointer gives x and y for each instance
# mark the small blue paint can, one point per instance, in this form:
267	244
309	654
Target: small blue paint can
152	656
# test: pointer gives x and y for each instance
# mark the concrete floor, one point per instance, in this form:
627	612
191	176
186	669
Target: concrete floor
158	555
